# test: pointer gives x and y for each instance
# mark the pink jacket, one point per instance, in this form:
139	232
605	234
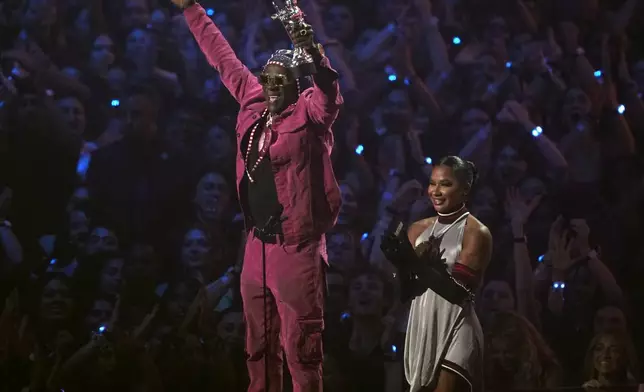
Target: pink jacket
302	140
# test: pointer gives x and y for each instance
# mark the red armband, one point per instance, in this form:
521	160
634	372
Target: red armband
466	275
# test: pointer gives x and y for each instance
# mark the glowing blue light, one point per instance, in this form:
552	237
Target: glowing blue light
101	329
428	160
456	40
1	104
540	258
52	261
508	64
537	131
598	73
345	316
394	348
83	164
359	149
392	77
559	285
210	12
621	109
116	103
407	81
365	236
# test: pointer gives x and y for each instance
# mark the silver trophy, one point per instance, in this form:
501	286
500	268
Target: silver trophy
292	18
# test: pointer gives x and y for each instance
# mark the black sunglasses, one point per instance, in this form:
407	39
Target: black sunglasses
274	80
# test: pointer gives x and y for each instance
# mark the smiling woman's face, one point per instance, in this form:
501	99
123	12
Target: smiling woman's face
212	197
102	239
195	249
609	356
111	276
56	301
231	328
497	296
366	296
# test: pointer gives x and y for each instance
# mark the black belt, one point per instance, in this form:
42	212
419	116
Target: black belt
268	238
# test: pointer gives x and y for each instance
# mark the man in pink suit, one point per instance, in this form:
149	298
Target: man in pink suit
289	197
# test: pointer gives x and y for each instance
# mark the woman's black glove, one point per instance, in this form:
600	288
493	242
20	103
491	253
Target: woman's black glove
422	269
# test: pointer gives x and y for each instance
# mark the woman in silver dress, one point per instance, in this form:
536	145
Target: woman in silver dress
444	342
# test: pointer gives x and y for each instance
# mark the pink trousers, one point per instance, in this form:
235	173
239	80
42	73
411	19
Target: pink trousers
295	280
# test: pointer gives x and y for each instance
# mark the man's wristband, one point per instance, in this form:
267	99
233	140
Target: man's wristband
558	286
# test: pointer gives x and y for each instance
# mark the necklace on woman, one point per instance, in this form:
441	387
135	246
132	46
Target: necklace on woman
451	213
260	145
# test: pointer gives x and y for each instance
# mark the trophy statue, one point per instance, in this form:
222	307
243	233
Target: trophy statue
292	18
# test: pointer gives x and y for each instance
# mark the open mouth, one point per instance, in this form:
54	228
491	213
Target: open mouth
210	204
273	98
438	202
195	258
57	309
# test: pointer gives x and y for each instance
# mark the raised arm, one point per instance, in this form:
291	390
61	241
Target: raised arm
234	74
325	100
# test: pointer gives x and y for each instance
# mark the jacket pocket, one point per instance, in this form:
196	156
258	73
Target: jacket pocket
309	347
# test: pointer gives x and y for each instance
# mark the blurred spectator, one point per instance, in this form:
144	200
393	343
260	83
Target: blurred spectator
118	208
610	361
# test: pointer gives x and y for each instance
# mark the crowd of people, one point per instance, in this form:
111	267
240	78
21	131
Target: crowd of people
121	238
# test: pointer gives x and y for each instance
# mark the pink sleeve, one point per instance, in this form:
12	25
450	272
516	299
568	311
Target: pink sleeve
234	75
325	100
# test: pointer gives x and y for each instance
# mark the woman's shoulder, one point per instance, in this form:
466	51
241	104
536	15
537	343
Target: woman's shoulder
474	226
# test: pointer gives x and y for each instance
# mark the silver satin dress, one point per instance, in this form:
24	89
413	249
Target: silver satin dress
441	334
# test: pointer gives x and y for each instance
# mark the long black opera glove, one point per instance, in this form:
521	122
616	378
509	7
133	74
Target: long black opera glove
417	274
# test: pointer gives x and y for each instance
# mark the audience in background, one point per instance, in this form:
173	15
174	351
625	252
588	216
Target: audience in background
120	233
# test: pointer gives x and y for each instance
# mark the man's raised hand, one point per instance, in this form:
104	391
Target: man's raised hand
302	36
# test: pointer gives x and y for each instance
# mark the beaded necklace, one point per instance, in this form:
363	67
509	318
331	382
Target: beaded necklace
262	141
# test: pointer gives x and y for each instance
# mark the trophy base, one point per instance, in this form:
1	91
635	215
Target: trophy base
303	69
